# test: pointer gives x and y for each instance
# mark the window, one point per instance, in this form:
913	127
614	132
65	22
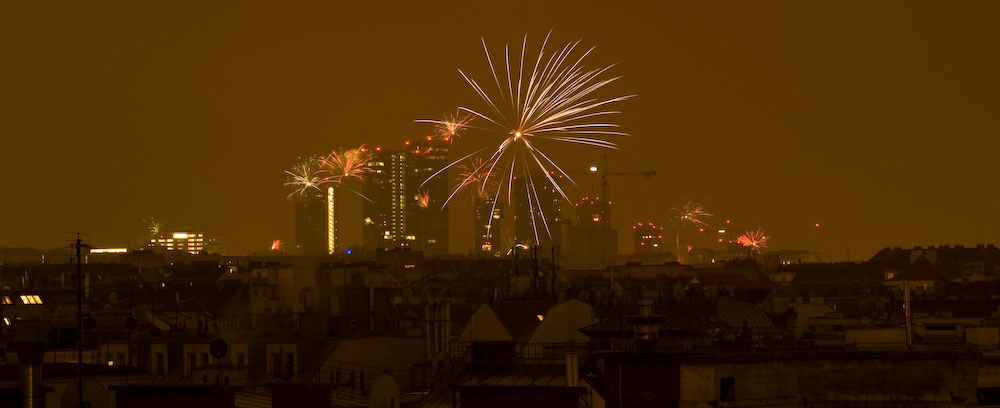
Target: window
727	389
192	362
239	360
159	364
6	300
31	300
204	359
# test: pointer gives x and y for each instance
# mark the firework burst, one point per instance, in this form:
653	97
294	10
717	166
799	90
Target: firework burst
451	127
347	163
304	177
277	245
423	199
550	99
155	226
754	240
473	174
692	213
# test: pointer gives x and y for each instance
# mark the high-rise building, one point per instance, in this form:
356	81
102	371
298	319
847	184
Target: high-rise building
488	227
384	210
592	241
541	215
312	216
648	238
426	216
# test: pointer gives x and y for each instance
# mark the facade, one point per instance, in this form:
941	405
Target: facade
426	215
190	242
592	240
488	227
384	212
648	238
788	379
311	218
539	217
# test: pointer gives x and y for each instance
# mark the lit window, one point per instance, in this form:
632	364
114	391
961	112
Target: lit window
6	300
31	299
540	317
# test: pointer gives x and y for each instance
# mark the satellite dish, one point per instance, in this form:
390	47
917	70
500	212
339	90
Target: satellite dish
218	348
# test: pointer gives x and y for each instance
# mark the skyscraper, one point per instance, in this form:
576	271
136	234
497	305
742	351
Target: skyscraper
542	218
592	242
427	221
488	227
384	210
312	216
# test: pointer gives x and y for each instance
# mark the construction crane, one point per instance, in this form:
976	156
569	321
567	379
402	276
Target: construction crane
604	173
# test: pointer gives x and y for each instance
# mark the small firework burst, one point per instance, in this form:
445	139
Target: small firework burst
277	245
423	199
305	177
347	163
753	239
155	226
692	213
473	174
451	127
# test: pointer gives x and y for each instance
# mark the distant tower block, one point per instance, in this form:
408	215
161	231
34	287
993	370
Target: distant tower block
648	238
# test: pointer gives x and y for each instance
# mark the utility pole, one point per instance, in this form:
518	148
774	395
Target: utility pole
79	319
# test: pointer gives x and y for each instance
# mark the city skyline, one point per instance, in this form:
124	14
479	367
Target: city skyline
873	121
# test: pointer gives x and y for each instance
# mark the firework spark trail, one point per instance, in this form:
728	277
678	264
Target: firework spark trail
305	176
554	102
277	245
753	239
690	213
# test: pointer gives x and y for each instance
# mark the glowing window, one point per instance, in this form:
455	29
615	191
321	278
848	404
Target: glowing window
31	299
6	300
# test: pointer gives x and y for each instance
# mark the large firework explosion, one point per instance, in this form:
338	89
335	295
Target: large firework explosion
553	100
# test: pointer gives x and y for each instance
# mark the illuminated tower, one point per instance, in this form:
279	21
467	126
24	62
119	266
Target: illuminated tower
426	220
648	238
384	216
331	220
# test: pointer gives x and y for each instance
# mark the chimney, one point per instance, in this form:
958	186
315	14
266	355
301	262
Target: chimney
572	370
29	344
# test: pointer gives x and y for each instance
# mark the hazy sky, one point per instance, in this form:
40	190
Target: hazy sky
877	119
